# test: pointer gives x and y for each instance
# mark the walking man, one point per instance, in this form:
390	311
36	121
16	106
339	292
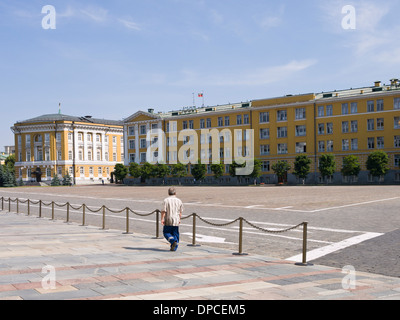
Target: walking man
171	218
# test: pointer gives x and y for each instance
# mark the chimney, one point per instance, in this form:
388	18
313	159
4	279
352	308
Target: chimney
151	110
377	84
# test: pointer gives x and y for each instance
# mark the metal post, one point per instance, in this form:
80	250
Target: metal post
67	212
52	210
104	217
40	208
305	224
157	224
29	207
17	205
127	220
194	232
240	253
2	203
9	204
83	214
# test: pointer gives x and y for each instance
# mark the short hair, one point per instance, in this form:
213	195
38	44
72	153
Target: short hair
171	191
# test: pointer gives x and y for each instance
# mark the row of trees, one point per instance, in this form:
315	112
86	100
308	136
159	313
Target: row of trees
377	164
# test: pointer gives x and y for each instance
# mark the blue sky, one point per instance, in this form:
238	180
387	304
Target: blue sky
110	59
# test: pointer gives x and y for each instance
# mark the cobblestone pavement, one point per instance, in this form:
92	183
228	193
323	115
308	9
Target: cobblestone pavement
41	259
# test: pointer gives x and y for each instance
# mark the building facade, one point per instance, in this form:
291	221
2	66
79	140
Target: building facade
345	122
56	144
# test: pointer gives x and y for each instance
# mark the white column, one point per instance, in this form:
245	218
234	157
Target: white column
137	144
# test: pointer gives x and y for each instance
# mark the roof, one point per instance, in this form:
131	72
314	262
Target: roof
63	117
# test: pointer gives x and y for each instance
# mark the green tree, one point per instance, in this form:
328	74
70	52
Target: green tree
302	167
162	170
120	172
256	171
281	168
198	171
218	169
147	170
351	166
327	165
378	163
134	170
55	181
10	162
67	180
179	171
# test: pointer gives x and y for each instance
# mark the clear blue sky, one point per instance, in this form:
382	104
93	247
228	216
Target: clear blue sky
110	59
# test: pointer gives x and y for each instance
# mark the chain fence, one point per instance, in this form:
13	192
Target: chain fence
157	212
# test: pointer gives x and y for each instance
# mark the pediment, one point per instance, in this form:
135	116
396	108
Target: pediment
141	116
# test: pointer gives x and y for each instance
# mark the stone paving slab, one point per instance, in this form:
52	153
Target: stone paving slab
93	264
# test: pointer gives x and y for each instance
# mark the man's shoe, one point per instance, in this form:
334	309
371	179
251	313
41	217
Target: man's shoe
174	246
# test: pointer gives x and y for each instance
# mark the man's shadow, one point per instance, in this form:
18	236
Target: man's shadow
147	249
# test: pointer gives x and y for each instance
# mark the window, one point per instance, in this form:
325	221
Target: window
131	157
143	157
69	155
397	122
246	119
397	141
321	146
114	140
282	148
131	144
89	137
143	143
264	149
91	171
321	111
220	121
99	172
142	129
371	143
265	167
184	125
58	137
227	121
329	128
281	115
202	124
208	122
154	126
354	126
321	128
82	171
239	119
301	147
47	137
131	131
354	144
28	140
264	117
282	132
345	108
379	105
353	107
380	124
396	103
370	124
80	154
380	143
329	110
345	127
300	131
90	158
98	153
329	146
191	124
114	156
370	106
397	160
264	133
301	113
345	144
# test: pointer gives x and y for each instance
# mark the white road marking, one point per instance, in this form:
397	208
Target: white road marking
207	239
320	252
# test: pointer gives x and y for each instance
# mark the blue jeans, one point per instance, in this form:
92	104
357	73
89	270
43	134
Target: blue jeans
171	234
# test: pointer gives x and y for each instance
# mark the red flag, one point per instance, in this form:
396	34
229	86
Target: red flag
200	95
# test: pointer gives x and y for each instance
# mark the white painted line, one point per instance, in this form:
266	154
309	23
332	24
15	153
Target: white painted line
354	204
320	252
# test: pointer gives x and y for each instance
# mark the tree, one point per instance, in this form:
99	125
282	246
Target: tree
55	181
378	163
179	170
327	165
199	171
120	172
162	170
134	170
147	171
256	171
351	166
10	162
217	169
67	180
281	168
302	167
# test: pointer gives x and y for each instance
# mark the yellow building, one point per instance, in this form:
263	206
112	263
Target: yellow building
84	147
354	121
